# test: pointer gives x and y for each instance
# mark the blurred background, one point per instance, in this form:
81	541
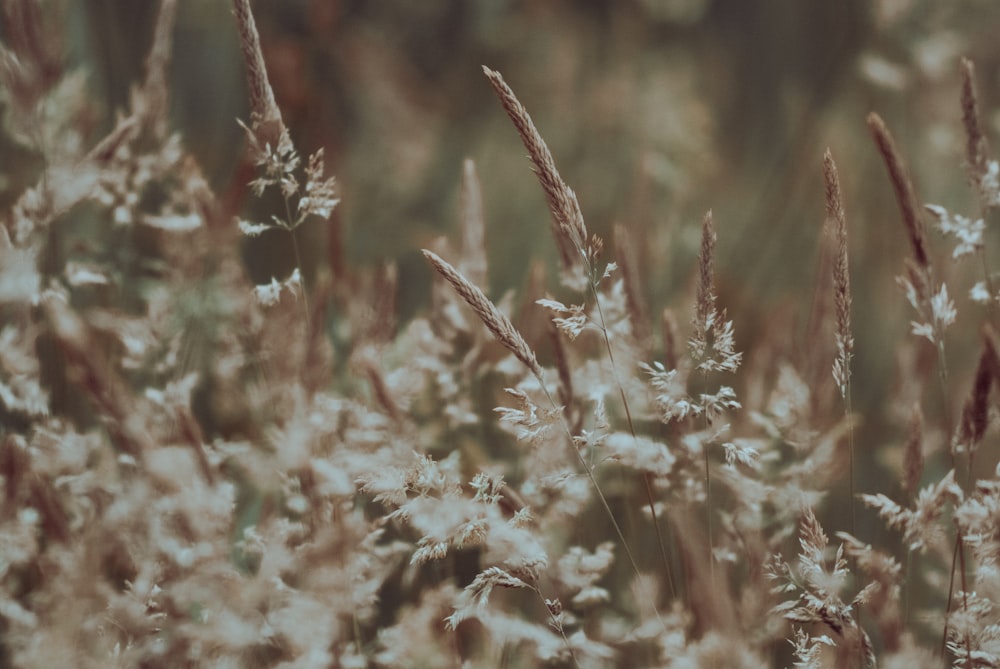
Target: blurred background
655	111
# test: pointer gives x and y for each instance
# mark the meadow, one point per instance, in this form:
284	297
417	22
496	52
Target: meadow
270	401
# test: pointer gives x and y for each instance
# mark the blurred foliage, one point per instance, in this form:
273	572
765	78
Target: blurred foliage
655	110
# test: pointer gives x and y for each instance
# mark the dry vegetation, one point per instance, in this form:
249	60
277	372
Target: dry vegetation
199	471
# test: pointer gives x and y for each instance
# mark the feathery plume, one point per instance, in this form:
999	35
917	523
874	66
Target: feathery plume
494	320
903	187
264	113
568	226
713	341
841	275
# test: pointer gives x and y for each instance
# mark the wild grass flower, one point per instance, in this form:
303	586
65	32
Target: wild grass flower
902	185
568	228
194	474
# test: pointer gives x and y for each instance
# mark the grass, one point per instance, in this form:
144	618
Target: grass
200	469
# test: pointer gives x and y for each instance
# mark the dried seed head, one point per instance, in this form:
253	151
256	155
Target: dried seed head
567	220
841	274
705	301
264	113
494	320
975	412
154	88
902	186
976	146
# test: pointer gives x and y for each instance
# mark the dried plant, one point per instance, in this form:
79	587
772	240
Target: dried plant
902	186
568	227
199	469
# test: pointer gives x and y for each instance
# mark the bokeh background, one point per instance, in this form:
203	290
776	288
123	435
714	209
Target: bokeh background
655	110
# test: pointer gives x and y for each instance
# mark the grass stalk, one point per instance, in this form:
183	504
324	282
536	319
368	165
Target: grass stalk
647	484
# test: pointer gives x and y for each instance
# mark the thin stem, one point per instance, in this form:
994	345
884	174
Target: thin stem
708	513
298	259
850	446
987	278
943	379
600	494
957	558
557	625
965	586
357	634
646	479
907	587
708	491
958	555
298	263
631	426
